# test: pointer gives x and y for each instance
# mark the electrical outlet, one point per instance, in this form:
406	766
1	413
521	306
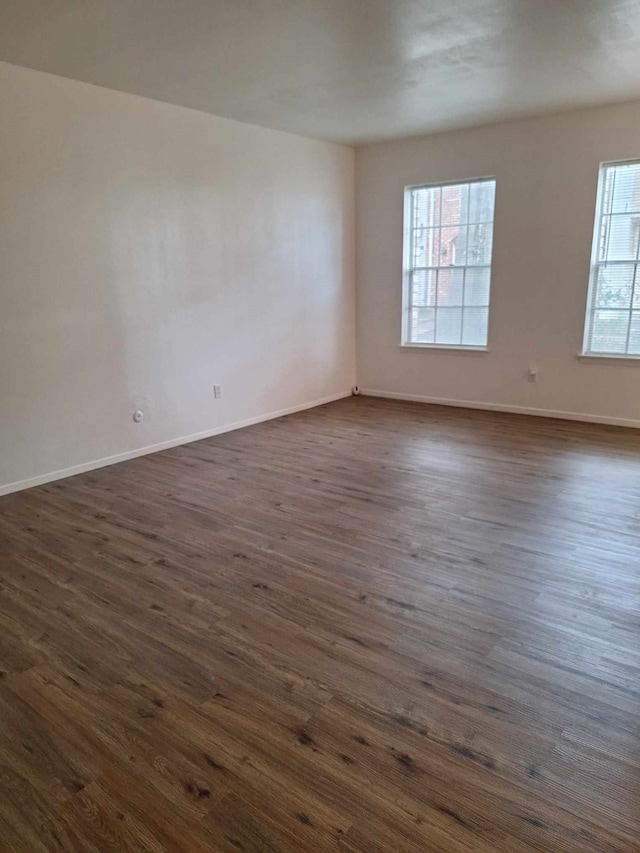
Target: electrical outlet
217	391
532	374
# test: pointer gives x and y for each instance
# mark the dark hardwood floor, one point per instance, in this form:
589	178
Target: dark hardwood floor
373	626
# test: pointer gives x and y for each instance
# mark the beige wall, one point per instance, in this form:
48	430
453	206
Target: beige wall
546	170
148	252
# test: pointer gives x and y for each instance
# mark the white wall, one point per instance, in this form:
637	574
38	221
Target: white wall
547	171
149	251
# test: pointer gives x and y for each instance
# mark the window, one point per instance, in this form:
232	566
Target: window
447	264
613	309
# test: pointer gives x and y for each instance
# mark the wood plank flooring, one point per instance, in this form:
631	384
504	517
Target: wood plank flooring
373	626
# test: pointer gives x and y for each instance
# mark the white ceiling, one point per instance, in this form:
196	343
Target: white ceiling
344	70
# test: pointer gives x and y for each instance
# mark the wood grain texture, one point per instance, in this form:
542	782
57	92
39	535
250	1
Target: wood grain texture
373	626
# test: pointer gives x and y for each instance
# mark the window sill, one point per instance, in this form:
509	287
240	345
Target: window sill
592	358
455	350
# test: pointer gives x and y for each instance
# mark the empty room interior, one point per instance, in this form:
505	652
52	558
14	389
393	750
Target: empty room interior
320	426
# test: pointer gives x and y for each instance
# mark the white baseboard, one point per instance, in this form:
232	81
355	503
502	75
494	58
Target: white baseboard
165	445
500	407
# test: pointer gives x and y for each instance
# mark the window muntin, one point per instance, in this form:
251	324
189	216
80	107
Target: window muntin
613	310
448	251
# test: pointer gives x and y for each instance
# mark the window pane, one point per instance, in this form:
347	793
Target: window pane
480	244
426	207
450	287
476	286
619	238
481	200
449	326
422	323
634	334
622	188
475	326
453	245
426	247
614	285
455	204
423	288
459	247
609	332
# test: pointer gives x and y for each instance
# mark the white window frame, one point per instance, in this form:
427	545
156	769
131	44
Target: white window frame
407	268
595	264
